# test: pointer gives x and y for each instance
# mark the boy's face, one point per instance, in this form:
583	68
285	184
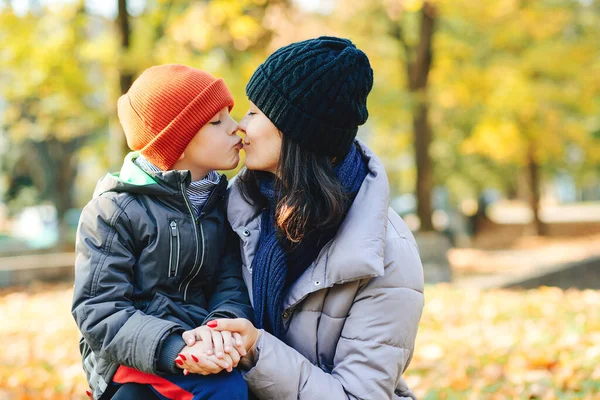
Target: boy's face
215	146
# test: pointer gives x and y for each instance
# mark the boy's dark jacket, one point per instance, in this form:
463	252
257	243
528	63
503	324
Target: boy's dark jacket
148	268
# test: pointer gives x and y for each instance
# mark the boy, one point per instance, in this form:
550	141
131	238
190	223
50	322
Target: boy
152	259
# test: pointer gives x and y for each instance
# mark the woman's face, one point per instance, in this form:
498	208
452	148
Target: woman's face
262	143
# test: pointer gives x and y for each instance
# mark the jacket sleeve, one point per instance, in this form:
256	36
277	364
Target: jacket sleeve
102	306
373	351
230	296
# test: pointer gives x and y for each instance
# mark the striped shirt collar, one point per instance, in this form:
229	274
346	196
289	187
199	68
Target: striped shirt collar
198	191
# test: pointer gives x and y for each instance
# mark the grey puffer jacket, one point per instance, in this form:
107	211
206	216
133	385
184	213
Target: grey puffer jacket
352	317
148	268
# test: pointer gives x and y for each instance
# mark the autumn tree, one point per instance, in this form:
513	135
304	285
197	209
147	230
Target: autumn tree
535	102
486	96
417	64
52	105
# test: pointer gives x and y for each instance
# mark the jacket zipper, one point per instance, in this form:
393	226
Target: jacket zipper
175	244
199	267
193	274
195	237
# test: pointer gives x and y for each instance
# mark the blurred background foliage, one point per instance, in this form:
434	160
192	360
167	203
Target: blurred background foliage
469	97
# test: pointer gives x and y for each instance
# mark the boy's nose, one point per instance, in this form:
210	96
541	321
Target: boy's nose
234	125
242	125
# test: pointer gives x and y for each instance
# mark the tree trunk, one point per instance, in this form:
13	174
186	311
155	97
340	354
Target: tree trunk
418	73
422	138
55	179
533	174
125	77
118	142
67	173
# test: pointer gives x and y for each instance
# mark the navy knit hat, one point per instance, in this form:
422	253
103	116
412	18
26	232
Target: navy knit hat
315	92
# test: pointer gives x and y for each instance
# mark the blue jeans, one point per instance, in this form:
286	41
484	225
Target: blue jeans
222	386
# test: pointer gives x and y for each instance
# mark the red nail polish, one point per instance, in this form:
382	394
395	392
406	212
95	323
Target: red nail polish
178	361
182	357
89	394
195	358
212	324
185	372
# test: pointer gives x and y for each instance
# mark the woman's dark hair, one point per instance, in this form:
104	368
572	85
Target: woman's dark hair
309	196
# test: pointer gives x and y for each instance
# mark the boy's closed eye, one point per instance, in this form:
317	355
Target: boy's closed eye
217	122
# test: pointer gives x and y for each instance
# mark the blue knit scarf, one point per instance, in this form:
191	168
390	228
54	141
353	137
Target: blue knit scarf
275	269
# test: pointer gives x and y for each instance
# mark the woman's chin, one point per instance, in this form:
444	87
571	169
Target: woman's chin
253	166
250	165
248	162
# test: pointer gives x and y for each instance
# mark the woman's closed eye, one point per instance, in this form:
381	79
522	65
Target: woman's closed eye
251	113
215	122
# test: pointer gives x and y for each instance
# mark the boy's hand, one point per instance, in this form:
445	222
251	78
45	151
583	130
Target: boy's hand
225	342
193	359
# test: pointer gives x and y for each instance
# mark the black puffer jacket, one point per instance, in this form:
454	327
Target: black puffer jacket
148	268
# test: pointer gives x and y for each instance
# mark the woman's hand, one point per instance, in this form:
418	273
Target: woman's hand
244	333
232	343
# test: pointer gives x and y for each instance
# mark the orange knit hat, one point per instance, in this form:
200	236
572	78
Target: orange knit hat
166	106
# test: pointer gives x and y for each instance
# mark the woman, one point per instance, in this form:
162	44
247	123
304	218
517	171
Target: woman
335	276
